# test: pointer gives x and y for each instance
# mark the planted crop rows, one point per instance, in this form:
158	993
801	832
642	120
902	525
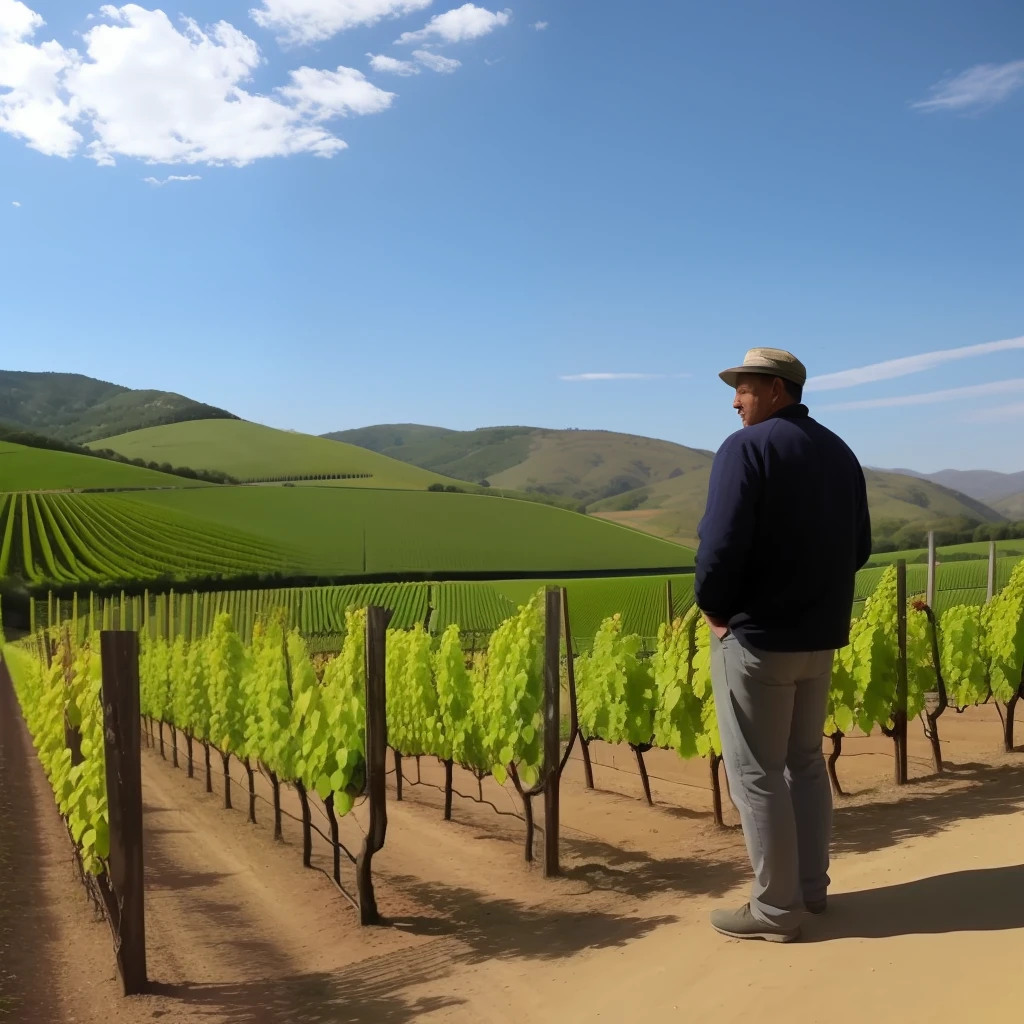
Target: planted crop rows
68	539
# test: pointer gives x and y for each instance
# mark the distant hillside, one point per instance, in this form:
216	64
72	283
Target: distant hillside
653	485
252	452
982	484
672	509
584	465
73	407
1012	506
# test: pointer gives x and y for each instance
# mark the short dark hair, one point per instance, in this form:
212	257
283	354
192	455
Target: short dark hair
794	390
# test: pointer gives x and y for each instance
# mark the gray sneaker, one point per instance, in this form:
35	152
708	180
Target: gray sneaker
741	924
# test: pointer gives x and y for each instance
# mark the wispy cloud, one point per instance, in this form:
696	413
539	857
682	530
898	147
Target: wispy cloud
392	65
434	61
539	26
998	412
996	387
984	85
621	376
892	368
173	177
15	203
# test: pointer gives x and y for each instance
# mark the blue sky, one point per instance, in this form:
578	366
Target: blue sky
638	189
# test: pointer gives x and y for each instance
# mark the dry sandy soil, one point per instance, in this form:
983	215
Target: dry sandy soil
925	923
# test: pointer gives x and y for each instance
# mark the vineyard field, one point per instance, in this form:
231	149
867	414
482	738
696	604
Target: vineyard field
39	469
975	549
106	538
351	531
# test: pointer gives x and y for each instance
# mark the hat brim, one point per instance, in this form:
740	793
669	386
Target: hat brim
731	376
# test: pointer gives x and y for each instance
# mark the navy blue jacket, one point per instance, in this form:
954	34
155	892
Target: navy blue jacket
785	530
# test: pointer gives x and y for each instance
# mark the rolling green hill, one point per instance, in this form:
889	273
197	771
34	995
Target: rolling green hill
585	465
251	452
1012	507
986	485
73	407
673	508
341	531
471	455
655	486
38	469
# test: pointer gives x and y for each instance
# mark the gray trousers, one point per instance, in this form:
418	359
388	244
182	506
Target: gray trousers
771	710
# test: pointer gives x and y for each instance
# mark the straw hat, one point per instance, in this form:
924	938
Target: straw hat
773	362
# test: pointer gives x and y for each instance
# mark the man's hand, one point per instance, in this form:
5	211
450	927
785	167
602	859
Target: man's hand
717	626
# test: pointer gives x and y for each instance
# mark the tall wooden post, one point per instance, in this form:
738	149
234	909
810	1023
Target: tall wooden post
900	710
376	745
670	608
552	726
991	590
119	652
930	591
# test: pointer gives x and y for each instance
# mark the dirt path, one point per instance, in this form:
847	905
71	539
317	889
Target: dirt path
927	882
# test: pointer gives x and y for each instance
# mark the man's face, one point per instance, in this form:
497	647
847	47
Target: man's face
758	396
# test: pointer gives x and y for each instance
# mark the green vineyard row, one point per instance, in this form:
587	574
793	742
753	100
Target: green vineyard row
263	697
102	538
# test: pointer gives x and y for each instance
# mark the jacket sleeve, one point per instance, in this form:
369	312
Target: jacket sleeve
863	521
727	531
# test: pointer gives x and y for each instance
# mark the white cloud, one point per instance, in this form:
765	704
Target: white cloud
33	105
458	25
391	65
892	368
434	61
173	177
981	86
996	387
321	95
621	376
539	26
15	203
310	21
146	89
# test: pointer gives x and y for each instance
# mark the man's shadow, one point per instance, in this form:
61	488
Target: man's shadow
987	899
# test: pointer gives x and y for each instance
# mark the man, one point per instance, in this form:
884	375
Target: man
785	530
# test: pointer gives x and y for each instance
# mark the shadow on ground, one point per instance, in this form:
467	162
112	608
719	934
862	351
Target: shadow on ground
492	928
991	790
986	899
361	996
27	930
633	873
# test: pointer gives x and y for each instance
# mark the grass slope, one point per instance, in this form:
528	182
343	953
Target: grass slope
673	508
1012	507
986	485
471	455
73	407
345	531
250	451
38	469
585	465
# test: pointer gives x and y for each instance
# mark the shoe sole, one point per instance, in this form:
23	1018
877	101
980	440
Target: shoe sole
767	936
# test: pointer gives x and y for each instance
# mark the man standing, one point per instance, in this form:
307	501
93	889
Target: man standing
785	530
